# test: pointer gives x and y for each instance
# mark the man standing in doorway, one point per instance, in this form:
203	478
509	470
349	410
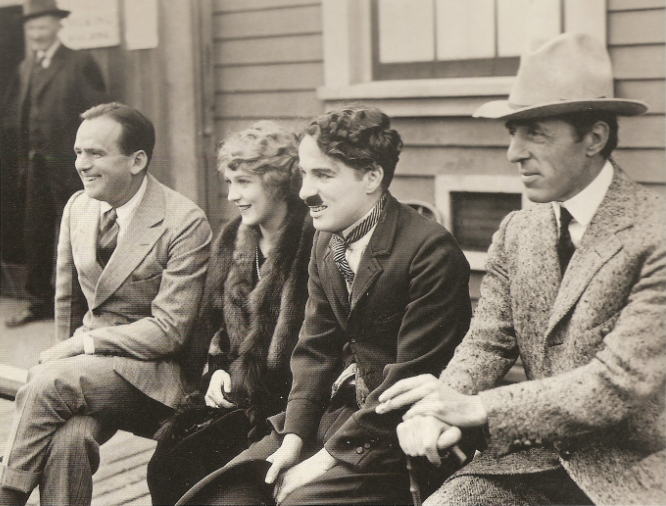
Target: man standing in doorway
56	85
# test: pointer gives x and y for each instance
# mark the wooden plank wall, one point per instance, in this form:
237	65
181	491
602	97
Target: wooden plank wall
636	37
268	64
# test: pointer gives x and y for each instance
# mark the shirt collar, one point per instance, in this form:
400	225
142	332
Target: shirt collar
126	211
583	205
48	54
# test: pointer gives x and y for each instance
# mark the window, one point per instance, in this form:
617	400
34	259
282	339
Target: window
416	49
473	208
475	216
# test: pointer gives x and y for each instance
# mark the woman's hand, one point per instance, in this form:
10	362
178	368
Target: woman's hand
220	383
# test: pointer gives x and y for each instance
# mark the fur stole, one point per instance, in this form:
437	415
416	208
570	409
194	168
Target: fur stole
257	328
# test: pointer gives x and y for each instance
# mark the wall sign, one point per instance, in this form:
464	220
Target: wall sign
91	23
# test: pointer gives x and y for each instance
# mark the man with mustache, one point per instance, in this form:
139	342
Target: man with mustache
575	287
388	299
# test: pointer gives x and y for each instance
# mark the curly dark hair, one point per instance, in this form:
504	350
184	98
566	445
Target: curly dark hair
360	136
268	149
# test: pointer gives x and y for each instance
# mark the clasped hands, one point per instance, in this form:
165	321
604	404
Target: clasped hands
435	417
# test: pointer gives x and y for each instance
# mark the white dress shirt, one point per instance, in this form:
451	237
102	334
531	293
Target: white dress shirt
584	205
47	55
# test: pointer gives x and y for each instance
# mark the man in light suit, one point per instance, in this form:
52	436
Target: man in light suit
56	84
132	258
575	287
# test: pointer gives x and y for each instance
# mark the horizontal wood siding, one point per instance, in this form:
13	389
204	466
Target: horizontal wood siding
636	37
268	62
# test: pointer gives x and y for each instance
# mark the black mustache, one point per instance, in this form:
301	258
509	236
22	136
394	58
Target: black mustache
313	200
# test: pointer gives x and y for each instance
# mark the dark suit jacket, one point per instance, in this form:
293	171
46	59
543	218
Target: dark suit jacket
70	85
409	309
593	345
141	306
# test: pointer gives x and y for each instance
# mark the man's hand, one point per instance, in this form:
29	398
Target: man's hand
425	436
432	397
285	457
302	474
220	383
67	348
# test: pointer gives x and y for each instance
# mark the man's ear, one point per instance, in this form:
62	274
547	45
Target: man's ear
139	162
597	138
375	176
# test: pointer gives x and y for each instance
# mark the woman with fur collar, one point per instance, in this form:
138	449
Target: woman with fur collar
253	307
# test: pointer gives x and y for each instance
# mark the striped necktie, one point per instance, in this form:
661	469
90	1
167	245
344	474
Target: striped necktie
107	237
340	245
565	247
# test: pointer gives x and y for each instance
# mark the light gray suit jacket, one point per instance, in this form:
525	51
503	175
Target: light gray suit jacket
141	306
593	346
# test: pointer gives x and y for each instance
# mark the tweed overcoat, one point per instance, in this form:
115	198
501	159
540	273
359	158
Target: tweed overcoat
141	306
593	345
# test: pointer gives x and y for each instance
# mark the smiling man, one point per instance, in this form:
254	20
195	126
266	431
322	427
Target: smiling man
132	258
388	299
575	287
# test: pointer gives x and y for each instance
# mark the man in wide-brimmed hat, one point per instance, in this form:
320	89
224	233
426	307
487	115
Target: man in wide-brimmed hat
56	84
575	287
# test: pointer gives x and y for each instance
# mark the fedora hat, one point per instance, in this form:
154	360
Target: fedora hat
37	8
569	73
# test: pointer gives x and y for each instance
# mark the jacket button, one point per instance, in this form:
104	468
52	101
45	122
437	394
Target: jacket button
367	446
566	455
359	450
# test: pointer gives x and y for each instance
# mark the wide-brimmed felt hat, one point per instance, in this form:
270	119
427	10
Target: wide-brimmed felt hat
570	73
36	8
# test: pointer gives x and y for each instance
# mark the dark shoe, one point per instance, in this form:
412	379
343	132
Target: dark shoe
26	316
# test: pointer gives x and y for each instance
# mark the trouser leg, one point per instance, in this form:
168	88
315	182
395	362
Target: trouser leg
39	237
72	460
56	392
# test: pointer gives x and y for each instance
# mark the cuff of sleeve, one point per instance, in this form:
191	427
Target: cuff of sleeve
88	345
302	418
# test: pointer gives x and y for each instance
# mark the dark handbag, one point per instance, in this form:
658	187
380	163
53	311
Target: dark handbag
192	444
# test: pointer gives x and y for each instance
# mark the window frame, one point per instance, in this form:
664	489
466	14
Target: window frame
348	48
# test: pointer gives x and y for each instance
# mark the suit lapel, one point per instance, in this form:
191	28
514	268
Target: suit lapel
26	73
84	244
598	245
336	284
381	242
143	231
57	62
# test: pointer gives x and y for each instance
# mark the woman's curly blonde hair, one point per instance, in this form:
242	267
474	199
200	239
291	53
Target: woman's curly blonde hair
268	149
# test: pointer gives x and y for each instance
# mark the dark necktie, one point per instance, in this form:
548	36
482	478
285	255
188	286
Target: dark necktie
565	248
340	245
107	237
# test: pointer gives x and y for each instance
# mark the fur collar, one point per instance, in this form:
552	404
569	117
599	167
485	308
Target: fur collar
260	325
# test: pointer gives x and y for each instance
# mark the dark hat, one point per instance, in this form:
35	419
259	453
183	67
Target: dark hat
37	8
244	479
